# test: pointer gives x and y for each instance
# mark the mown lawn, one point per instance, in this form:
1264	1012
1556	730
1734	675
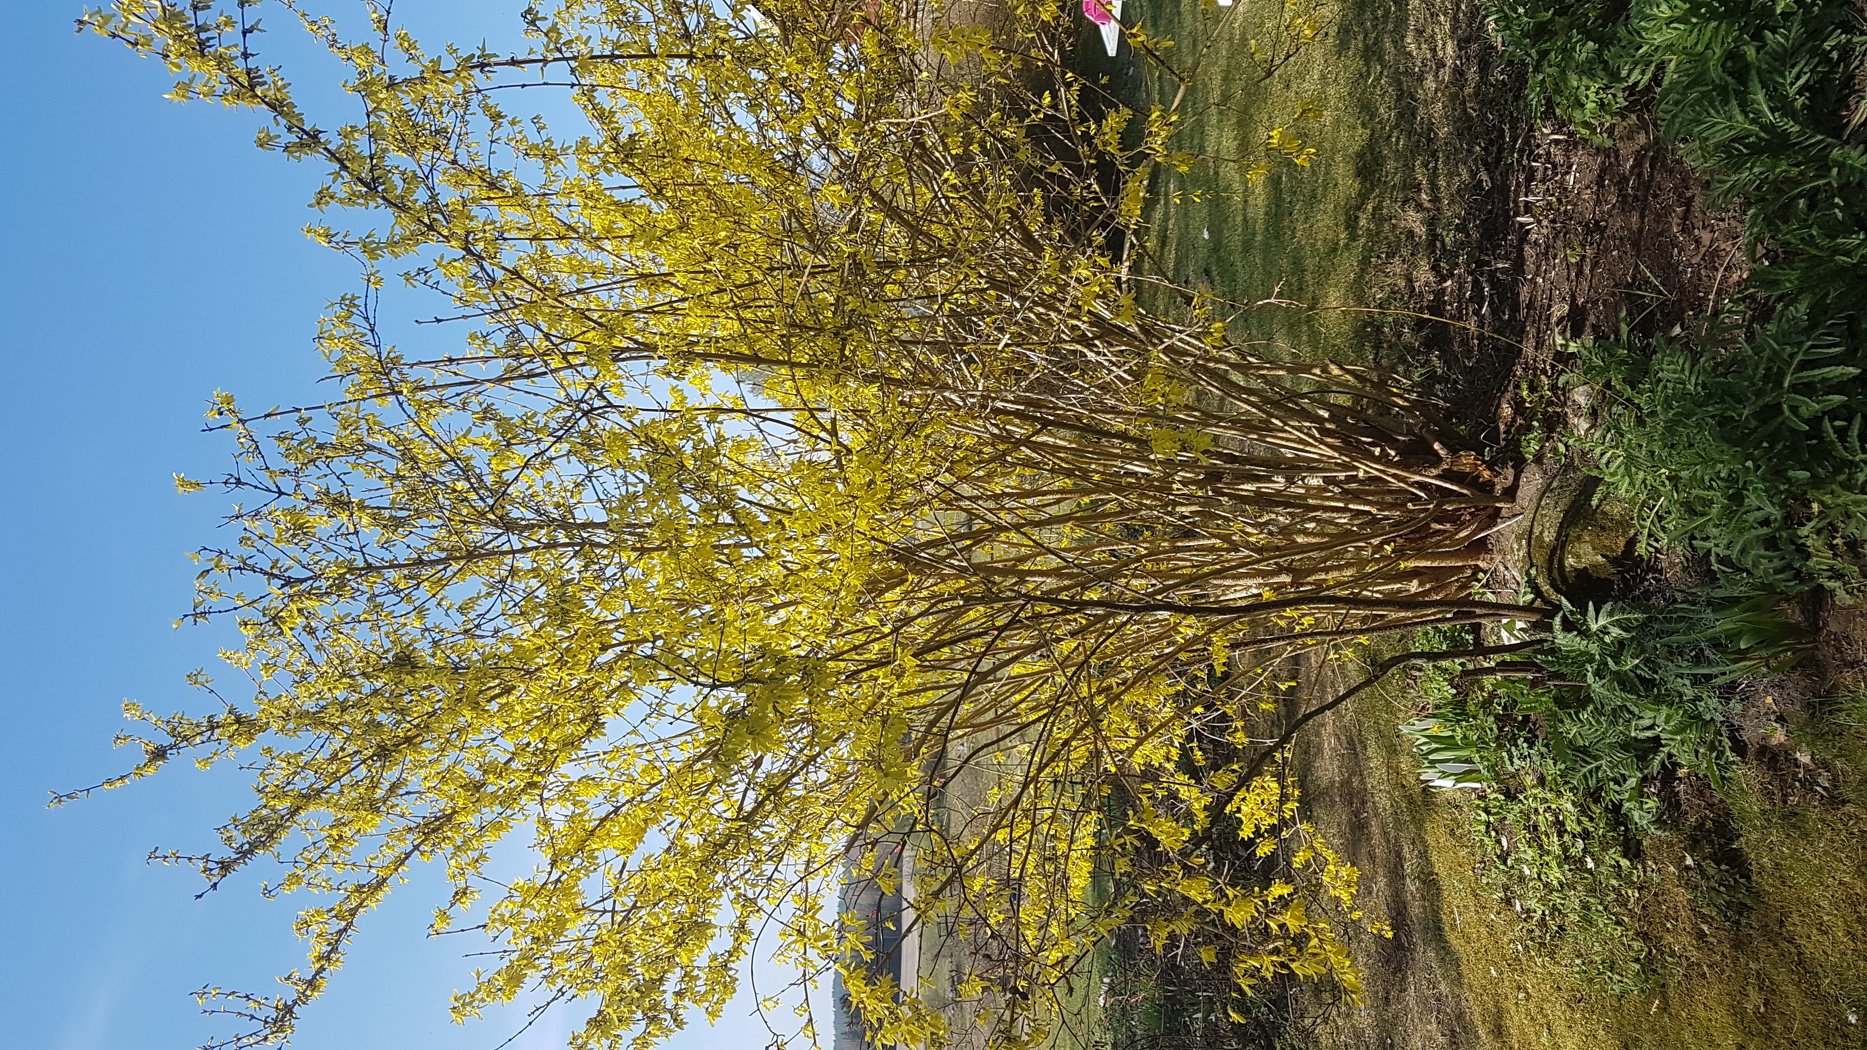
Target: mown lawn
1390	101
1394	99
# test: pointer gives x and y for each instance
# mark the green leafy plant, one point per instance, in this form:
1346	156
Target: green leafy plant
1619	693
1743	448
1555	852
1745	445
1560	862
1581	58
1448	757
1565	747
1480	730
1647	697
1763	99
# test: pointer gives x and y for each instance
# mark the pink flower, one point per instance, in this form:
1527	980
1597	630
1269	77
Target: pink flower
1096	12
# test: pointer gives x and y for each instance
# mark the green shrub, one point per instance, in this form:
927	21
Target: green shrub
1745	449
1758	95
1581	58
1620	694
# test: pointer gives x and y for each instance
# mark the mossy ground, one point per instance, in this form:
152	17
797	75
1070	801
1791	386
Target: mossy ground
1782	968
1774	962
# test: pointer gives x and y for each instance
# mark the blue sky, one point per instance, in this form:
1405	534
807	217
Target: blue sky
151	255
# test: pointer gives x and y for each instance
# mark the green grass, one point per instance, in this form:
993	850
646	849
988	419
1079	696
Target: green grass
1356	227
1395	130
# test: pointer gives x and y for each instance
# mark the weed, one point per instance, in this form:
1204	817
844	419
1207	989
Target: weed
1620	694
1580	57
1566	751
1541	398
1560	862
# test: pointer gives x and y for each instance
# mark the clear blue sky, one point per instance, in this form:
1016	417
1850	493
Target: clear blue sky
152	255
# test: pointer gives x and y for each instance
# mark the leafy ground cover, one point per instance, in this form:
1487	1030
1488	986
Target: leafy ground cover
1754	941
1521	923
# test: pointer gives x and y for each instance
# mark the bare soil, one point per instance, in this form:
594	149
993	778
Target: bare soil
1571	240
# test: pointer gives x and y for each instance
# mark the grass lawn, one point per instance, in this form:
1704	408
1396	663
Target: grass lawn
1387	100
1396	110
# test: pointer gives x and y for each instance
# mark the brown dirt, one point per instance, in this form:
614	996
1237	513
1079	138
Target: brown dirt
1840	651
1570	240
